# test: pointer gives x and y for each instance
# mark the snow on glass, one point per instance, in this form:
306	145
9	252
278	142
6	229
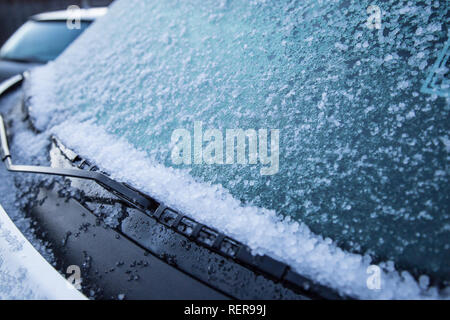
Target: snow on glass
363	159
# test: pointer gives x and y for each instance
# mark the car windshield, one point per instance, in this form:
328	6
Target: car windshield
40	41
346	102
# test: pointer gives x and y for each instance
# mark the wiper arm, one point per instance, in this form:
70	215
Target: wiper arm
22	60
130	196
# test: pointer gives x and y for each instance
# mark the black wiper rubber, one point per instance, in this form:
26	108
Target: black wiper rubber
130	196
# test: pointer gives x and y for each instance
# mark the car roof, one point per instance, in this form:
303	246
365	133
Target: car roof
62	15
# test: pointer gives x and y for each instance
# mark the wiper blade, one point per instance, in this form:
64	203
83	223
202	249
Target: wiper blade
125	193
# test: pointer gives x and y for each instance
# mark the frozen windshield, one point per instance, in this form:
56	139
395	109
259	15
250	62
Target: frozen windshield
40	41
358	96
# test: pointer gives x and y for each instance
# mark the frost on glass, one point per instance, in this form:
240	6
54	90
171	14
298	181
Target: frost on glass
363	152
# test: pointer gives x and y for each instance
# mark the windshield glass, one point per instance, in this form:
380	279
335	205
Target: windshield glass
351	100
40	41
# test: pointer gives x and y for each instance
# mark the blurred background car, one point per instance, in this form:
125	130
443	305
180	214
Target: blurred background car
42	38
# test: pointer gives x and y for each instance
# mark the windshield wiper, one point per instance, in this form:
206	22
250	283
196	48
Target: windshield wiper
130	196
125	193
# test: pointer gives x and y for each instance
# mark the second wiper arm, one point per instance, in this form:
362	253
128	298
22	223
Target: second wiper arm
131	196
